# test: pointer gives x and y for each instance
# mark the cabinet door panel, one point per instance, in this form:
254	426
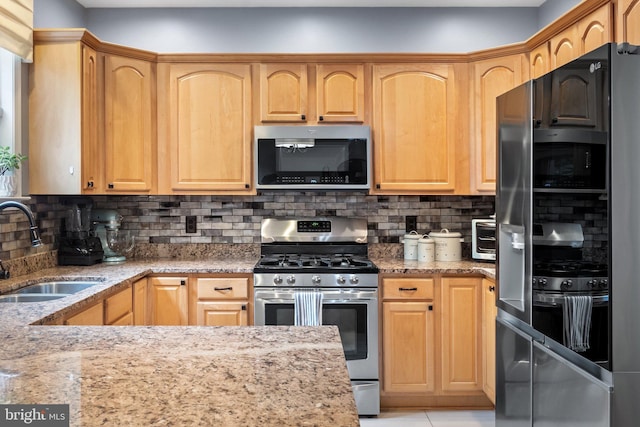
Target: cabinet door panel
169	301
129	125
283	92
408	347
539	59
490	311
414	122
208	144
628	21
596	29
565	47
92	316
222	313
340	93
461	329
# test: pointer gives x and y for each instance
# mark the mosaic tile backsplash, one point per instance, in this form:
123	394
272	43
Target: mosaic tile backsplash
236	219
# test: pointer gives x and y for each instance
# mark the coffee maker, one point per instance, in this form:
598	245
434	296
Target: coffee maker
115	242
78	244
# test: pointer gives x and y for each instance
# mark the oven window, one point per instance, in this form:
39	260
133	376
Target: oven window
351	320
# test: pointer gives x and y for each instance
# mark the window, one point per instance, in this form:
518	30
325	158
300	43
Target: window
12	107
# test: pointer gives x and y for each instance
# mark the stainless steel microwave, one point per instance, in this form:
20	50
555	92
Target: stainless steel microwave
313	157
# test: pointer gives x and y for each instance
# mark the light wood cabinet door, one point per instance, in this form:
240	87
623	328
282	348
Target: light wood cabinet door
92	316
169	301
340	93
628	21
222	313
140	302
414	123
205	128
63	119
491	78
539	61
408	347
283	92
130	128
489	313
565	47
118	306
461	334
596	29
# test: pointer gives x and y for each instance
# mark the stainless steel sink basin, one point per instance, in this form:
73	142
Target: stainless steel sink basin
58	287
30	297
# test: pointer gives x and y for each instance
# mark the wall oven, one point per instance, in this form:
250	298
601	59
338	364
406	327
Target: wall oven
327	259
313	157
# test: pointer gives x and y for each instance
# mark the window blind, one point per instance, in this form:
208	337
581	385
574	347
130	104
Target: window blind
16	27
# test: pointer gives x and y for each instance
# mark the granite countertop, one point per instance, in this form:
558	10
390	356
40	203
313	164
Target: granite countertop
158	375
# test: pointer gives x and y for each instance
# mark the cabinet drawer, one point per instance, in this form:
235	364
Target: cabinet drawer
407	288
118	305
90	317
222	288
126	320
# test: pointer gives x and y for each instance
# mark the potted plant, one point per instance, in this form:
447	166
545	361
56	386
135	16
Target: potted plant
8	163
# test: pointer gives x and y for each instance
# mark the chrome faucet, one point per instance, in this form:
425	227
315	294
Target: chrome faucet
34	233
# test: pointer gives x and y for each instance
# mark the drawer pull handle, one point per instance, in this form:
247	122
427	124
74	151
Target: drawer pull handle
407	289
222	289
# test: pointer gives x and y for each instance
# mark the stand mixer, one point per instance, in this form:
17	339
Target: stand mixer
78	245
115	242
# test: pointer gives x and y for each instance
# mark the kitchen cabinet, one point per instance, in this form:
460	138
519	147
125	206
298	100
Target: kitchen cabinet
408	335
140	302
221	301
91	316
168	300
130	127
118	308
489	312
491	78
461	334
330	93
63	117
414	127
628	21
587	34
539	59
205	128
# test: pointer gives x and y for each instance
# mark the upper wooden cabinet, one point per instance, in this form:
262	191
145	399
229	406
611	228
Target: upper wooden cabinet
205	128
587	34
63	119
628	21
330	93
130	125
539	61
414	124
491	78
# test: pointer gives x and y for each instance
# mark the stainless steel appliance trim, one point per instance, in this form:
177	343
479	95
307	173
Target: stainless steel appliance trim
367	397
286	280
342	230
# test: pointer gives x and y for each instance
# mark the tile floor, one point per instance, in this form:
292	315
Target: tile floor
431	419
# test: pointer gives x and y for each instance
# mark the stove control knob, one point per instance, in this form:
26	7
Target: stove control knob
543	282
291	279
354	279
277	279
604	283
592	283
341	280
315	279
566	284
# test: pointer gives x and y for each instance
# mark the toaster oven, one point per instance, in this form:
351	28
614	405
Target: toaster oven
483	239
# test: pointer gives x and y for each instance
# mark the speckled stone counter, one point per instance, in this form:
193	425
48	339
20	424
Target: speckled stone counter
400	266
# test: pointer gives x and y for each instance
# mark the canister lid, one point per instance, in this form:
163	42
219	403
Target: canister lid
425	240
412	236
444	233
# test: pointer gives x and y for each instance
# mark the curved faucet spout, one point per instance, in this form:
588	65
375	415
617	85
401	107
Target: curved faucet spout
34	233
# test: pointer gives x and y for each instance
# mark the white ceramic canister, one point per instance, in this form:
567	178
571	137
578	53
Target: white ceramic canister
411	245
448	245
426	249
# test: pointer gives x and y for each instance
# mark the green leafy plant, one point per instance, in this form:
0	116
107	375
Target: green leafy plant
9	161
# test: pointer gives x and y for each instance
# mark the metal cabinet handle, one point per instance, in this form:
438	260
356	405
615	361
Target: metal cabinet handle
222	289
407	289
492	288
110	185
303	117
430	308
183	282
244	307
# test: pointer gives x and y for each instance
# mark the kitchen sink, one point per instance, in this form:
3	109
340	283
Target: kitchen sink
30	297
48	290
58	287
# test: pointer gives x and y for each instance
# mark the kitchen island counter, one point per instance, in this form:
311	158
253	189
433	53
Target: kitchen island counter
196	376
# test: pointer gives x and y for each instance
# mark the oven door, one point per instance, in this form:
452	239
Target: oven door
354	311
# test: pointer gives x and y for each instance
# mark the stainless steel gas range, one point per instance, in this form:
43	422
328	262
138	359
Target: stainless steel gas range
323	261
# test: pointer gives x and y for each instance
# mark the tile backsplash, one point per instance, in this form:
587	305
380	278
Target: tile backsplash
236	219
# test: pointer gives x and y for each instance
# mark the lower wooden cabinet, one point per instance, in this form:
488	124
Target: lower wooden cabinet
489	312
118	308
221	301
433	342
168	301
92	316
140	302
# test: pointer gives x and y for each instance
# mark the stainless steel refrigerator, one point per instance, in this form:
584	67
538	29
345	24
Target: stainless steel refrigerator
568	245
